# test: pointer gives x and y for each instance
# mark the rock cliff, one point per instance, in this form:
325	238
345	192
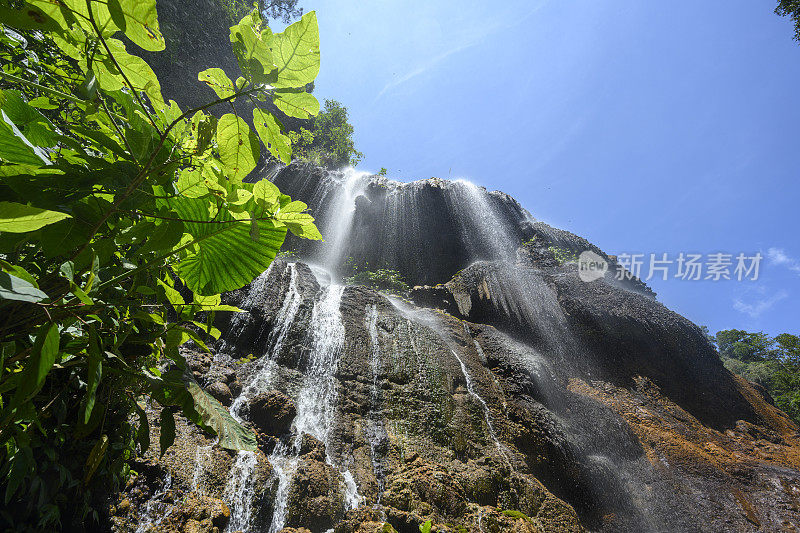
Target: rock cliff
502	393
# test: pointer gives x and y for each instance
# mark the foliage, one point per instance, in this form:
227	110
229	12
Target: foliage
516	514
772	362
383	279
383	171
122	220
329	142
426	527
791	9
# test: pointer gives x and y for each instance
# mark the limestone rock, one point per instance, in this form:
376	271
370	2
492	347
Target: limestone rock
221	392
272	412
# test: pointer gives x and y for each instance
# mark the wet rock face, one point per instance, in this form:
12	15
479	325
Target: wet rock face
315	497
272	412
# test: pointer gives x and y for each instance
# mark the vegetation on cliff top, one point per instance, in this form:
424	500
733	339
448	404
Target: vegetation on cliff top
123	219
772	362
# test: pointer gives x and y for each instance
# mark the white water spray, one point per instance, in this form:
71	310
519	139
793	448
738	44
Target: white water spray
316	404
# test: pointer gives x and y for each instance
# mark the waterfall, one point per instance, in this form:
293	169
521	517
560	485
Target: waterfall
477	397
485	232
239	491
201	457
263	373
316	403
252	299
339	218
376	433
148	522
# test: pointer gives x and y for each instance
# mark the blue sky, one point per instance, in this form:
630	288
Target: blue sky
646	127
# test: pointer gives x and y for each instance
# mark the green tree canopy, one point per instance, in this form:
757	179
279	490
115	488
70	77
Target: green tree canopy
791	9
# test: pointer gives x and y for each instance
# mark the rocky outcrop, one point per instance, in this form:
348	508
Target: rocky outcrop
272	412
316	496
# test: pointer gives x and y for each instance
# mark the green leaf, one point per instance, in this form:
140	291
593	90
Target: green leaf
232	435
296	53
19	272
167	436
269	130
30	17
266	193
95	457
173	296
38	365
238	147
143	433
42	102
15	147
251	44
34	126
94	368
139	21
18	470
296	104
163	237
301	224
135	69
14	288
208	269
20	218
203	129
218	81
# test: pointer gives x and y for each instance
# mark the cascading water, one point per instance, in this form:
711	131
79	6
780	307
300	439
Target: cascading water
240	489
153	507
376	433
395	226
316	401
338	218
483	229
263	373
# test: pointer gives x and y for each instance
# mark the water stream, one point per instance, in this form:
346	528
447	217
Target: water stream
316	403
376	433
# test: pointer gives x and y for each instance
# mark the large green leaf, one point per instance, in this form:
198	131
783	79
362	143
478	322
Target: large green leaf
20	218
136	69
218	81
296	53
232	435
270	132
299	222
224	257
251	44
14	288
43	356
33	125
298	104
238	147
177	388
30	17
139	21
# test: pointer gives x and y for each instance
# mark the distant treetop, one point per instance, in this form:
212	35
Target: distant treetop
791	9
